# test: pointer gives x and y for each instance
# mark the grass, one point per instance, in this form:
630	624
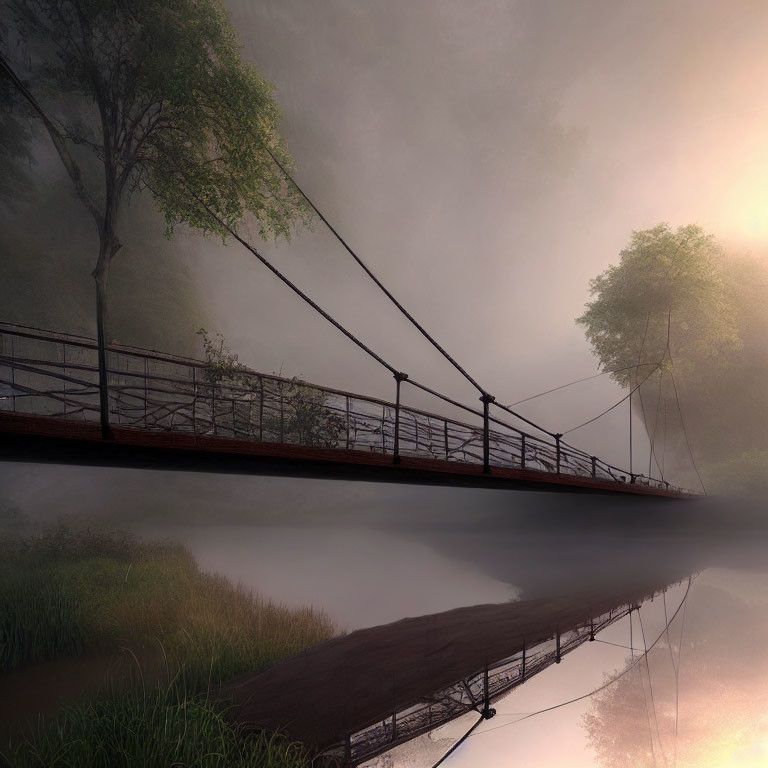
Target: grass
83	592
158	730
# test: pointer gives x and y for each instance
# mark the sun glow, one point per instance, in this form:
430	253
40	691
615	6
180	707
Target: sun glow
745	209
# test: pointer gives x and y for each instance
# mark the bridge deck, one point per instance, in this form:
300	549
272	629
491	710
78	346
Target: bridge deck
169	412
61	441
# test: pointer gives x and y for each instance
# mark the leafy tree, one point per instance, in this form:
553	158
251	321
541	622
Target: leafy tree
670	318
150	95
667	285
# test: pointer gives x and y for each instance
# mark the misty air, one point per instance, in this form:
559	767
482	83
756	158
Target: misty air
383	384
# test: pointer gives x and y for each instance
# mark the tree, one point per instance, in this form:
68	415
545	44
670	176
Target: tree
671	308
151	95
667	286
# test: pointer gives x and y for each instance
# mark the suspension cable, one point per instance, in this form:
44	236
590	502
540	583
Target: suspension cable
615	405
290	284
394	300
656	429
376	280
578	381
685	431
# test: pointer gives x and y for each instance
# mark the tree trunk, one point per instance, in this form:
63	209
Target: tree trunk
100	276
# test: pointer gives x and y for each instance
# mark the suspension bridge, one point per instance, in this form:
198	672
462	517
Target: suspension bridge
172	412
66	398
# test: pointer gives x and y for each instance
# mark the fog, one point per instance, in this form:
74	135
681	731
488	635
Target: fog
486	159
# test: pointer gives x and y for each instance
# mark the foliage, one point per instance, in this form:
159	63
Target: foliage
160	729
677	298
220	362
80	591
157	92
306	418
663	277
617	723
303	414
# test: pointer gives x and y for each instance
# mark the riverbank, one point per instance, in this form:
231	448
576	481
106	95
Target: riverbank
119	642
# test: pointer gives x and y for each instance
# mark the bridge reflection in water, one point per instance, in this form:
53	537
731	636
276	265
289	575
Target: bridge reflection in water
360	695
173	412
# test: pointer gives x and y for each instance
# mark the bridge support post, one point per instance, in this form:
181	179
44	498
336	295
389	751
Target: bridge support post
558	657
488	711
522	451
594	466
399	379
557	443
486	400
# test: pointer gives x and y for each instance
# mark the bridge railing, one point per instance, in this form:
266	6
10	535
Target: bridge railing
57	375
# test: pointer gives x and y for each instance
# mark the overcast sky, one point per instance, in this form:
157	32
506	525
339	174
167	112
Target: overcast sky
487	159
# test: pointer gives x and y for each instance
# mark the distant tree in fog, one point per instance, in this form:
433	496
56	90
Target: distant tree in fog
678	304
150	95
663	277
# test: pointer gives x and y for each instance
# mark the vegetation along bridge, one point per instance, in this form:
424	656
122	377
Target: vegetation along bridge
171	412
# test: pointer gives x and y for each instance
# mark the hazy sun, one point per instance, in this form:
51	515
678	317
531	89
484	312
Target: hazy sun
746	204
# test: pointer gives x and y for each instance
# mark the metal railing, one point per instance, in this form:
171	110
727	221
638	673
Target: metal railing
54	374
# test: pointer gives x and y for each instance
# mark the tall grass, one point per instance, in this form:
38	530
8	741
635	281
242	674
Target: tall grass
159	730
82	592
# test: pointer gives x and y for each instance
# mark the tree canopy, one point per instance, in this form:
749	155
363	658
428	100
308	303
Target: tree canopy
158	92
667	283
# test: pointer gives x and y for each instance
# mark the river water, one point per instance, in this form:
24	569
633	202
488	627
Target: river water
373	554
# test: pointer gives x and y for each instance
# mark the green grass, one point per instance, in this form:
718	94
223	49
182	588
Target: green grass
159	730
83	592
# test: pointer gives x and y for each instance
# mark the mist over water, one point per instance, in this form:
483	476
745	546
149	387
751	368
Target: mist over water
371	554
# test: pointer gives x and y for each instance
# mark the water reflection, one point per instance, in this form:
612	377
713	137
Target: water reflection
698	700
386	553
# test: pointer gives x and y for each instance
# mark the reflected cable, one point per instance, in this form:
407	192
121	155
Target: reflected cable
608	683
653	700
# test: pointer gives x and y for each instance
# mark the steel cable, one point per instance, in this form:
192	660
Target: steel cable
375	279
